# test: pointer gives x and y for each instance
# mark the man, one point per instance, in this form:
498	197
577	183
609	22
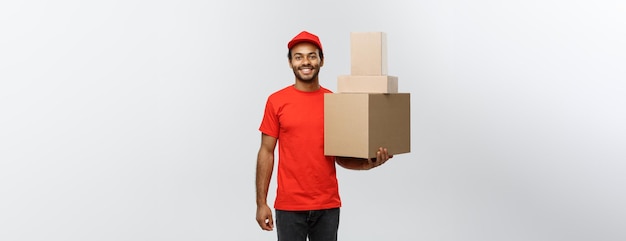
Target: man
307	199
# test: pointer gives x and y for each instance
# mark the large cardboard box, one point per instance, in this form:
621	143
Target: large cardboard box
368	53
367	84
357	124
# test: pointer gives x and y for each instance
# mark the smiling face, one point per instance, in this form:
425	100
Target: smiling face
306	62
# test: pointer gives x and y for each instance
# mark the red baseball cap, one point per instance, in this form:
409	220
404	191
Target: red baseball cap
305	36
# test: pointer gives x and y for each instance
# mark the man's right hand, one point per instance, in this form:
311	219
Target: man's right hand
264	217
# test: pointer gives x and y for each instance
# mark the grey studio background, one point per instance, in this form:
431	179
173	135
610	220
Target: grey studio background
138	120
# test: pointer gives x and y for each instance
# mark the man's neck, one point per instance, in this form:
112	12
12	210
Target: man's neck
307	86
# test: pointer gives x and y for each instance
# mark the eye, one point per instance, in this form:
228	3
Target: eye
313	57
298	58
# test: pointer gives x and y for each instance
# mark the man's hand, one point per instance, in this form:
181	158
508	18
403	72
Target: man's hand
264	217
382	156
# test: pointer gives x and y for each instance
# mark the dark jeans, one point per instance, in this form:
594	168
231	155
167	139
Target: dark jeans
318	225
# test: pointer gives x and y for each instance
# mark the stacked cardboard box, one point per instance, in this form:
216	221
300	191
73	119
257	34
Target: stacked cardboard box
367	112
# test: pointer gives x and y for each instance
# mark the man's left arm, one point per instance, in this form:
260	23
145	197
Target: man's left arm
354	163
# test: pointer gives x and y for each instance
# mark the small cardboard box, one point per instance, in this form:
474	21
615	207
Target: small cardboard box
357	124
368	53
367	84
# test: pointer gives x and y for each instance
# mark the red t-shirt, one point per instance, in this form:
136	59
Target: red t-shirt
306	178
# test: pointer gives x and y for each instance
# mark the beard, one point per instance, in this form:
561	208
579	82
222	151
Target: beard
306	78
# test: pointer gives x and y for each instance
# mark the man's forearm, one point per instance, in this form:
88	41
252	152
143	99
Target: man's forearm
352	163
264	169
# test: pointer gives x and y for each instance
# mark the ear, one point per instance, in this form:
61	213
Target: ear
321	62
290	65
